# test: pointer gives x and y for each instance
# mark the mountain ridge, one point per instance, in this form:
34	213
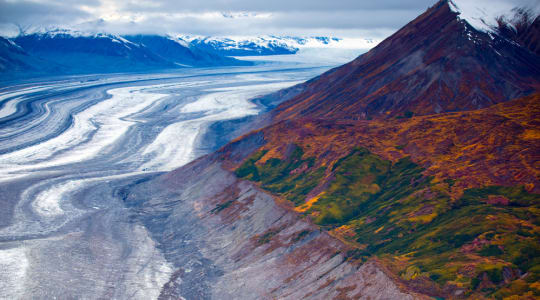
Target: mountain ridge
421	78
272	45
75	52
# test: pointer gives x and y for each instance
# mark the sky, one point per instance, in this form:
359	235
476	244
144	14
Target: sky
342	18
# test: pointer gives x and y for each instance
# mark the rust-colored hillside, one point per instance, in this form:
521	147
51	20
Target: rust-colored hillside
449	203
494	146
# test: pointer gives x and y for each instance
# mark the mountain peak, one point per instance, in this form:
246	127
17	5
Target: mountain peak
487	16
436	63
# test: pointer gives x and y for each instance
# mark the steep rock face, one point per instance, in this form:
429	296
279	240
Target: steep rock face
437	63
12	57
524	29
230	240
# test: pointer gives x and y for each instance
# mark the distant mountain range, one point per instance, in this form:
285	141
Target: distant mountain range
61	51
271	45
14	59
72	52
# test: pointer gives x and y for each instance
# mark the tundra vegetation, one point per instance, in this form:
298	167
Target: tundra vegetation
436	232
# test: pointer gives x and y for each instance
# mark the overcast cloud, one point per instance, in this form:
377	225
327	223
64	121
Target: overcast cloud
344	18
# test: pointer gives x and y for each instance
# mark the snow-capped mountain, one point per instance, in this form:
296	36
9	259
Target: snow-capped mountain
437	63
232	46
15	60
84	52
488	18
69	51
74	52
12	57
272	45
519	25
181	53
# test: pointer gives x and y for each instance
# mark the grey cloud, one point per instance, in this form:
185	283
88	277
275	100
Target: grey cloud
362	18
276	5
349	23
367	19
41	13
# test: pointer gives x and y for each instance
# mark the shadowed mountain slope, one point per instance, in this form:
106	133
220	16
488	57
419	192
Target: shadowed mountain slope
70	52
15	59
90	53
182	53
436	63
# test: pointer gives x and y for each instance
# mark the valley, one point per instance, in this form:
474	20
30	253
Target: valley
69	144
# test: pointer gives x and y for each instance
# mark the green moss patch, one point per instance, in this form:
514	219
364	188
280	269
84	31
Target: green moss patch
480	242
284	177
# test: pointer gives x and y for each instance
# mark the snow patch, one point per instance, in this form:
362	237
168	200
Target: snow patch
48	32
47	203
286	42
483	14
148	271
178	40
13	266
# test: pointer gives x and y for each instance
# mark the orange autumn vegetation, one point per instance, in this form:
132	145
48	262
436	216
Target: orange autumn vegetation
438	199
493	146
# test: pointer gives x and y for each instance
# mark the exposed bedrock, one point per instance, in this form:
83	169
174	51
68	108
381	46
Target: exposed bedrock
237	242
